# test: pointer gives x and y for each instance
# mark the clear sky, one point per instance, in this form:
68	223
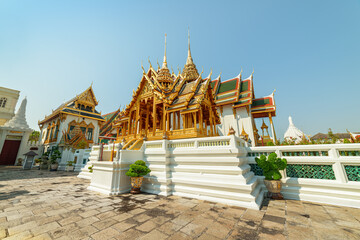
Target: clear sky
308	50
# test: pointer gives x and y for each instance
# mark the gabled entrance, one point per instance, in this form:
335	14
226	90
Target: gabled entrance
9	152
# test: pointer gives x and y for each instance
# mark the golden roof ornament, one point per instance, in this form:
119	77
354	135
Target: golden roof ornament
164	76
231	131
190	72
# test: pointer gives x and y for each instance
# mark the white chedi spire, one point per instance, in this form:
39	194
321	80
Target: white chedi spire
19	120
293	133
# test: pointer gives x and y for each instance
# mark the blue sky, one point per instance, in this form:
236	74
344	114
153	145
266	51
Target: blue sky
308	50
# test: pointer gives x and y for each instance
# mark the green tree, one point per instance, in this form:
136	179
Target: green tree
34	136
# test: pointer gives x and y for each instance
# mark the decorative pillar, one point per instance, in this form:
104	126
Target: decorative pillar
272	128
154	117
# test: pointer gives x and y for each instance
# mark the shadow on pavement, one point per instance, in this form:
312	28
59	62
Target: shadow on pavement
8	173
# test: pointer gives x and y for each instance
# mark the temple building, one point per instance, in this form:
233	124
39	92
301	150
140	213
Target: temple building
186	105
238	108
169	106
14	135
75	124
107	132
8	100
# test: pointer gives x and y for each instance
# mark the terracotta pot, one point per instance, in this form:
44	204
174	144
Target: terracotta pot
136	183
274	188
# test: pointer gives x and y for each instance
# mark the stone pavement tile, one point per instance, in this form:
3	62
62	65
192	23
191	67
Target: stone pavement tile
161	220
253	215
182	220
122	217
206	236
179	236
193	230
141	217
21	236
233	213
2	233
69	220
105	234
147	226
87	221
43	220
276	212
23	227
278	236
169	228
100	225
154	234
89	213
123	226
226	222
56	212
62	231
105	215
9	224
45	228
218	230
350	223
7	214
105	209
271	226
200	220
43	236
298	232
3	219
88	230
243	233
136	211
249	224
129	234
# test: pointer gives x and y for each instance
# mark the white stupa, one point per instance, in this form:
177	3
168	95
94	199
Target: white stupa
19	120
293	133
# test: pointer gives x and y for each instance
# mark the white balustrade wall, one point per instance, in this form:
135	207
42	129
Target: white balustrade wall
325	173
213	169
221	169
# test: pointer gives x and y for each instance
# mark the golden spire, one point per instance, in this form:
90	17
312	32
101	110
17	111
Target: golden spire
189	59
164	62
164	76
190	72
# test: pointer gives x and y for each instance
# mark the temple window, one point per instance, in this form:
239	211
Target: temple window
83	129
47	134
56	130
89	134
51	133
3	101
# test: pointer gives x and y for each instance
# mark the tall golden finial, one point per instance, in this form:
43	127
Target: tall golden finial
164	62
189	59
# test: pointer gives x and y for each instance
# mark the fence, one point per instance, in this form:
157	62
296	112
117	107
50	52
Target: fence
327	173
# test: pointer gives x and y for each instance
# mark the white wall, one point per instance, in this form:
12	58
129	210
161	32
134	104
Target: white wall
339	191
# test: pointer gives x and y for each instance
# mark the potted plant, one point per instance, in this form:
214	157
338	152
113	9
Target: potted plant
70	166
91	168
271	168
44	161
55	154
136	172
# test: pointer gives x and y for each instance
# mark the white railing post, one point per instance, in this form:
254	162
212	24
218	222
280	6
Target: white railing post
196	143
339	171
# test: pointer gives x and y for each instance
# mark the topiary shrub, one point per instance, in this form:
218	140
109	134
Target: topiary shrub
138	169
271	166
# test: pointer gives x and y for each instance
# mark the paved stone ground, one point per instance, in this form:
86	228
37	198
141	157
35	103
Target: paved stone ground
40	204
